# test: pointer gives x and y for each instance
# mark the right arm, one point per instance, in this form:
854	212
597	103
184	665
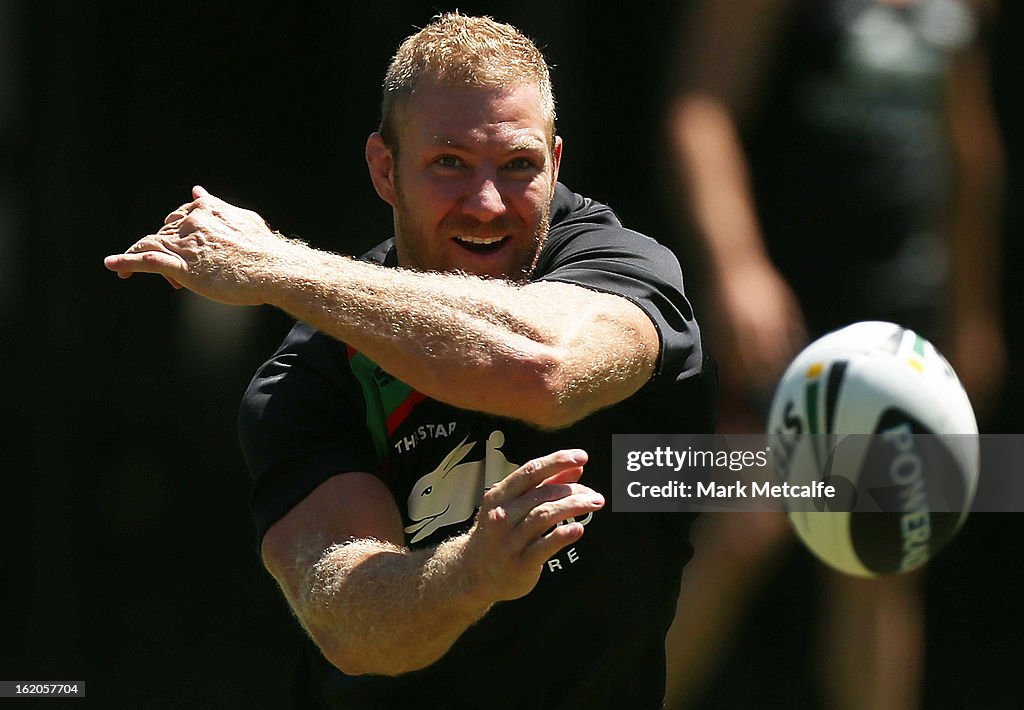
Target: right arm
545	352
373	605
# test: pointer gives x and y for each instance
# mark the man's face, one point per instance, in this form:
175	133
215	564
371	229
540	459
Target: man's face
473	180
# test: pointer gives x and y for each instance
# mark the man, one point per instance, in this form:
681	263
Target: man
404	490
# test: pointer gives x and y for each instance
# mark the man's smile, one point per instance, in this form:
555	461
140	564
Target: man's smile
482	245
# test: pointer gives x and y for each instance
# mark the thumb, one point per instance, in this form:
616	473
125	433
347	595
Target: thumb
199	191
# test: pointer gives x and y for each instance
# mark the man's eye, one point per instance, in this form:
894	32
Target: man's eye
519	164
448	161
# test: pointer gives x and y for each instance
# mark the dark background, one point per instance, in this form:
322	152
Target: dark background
128	557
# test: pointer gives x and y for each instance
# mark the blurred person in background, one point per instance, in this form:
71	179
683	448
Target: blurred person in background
839	161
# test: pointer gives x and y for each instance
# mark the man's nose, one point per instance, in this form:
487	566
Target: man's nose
484	201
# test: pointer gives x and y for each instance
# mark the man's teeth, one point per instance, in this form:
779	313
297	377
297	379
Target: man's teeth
480	240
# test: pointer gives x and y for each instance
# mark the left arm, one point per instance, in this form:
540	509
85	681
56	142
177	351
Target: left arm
979	354
546	353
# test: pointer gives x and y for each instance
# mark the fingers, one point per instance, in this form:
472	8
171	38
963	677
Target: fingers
534	501
568	475
567	463
542	537
542	492
541	507
549	524
147	262
552	508
198	193
181	212
549	545
154	253
151	255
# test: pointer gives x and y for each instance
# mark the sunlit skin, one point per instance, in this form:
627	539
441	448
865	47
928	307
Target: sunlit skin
472	182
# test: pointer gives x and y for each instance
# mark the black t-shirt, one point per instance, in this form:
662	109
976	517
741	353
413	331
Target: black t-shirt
592	631
850	158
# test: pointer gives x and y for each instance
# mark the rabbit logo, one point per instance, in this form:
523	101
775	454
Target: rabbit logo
451	493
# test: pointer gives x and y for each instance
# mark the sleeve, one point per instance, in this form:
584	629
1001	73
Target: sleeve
590	248
301	422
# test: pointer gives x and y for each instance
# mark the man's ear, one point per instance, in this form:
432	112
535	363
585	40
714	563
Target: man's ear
381	162
556	156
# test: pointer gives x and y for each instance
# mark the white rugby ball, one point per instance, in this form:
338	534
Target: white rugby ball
874	410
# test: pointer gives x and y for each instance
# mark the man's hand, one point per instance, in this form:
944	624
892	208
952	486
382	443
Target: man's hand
211	247
374	606
517	527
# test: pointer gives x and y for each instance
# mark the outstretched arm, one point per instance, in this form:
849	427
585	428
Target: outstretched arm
546	353
374	606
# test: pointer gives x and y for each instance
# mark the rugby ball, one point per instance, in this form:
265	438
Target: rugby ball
875	411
